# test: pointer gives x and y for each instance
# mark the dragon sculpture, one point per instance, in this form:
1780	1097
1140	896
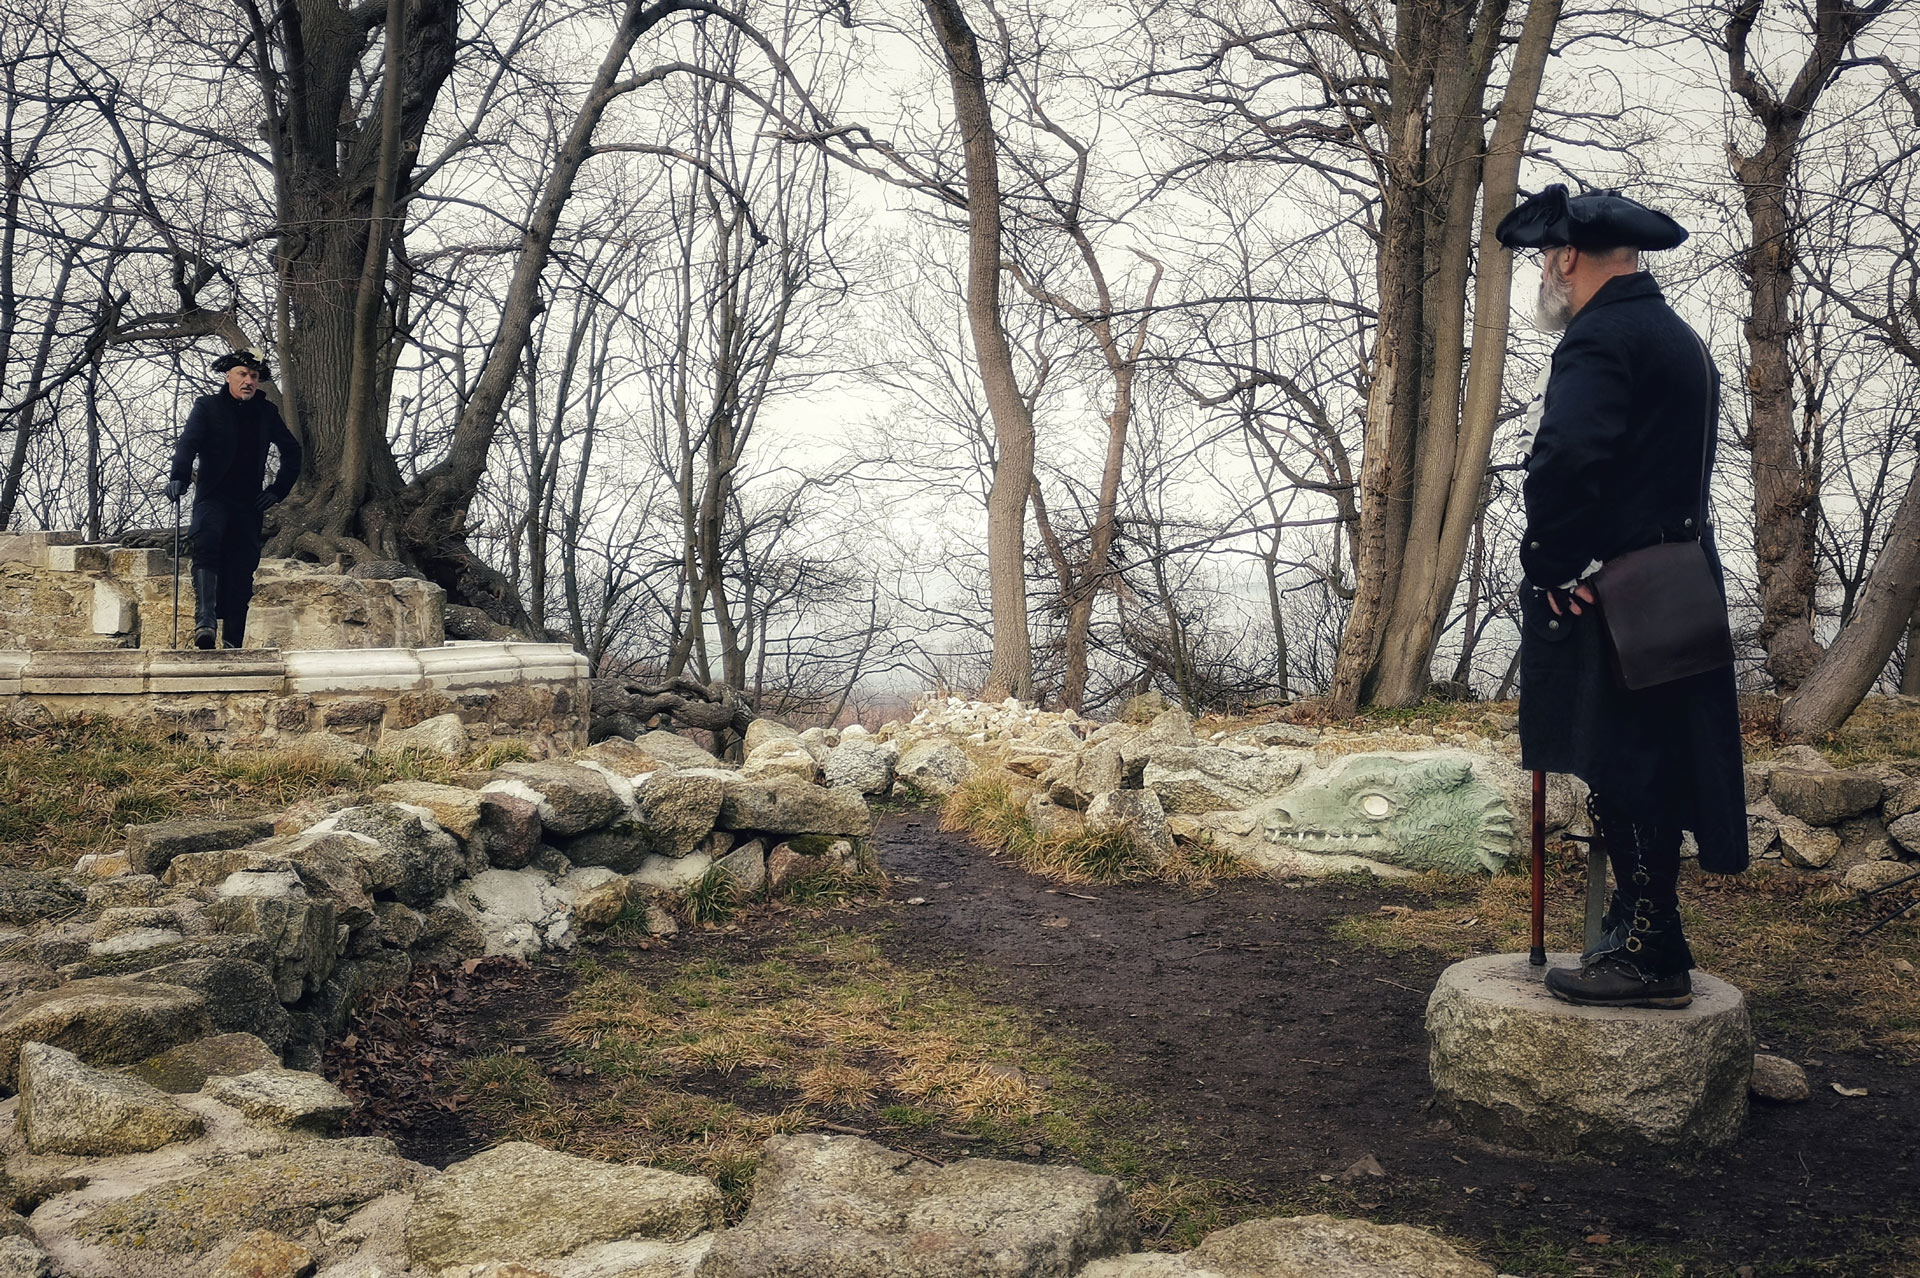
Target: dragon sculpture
1420	814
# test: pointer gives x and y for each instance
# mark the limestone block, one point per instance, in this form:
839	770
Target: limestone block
443	735
864	764
106	1020
1304	1247
405	851
32	547
67	1107
467	666
284	1192
521	1200
1806	846
1213	778
239	995
185	1069
509	823
848	1207
1027	760
597	902
114	612
621	755
456	808
674	750
102	673
1515	1066
281	1097
746	865
761	731
78	558
785	806
300	931
780	756
221	671
141	561
1823	797
265	1254
301	606
671	873
573	799
351	670
678	811
1136	811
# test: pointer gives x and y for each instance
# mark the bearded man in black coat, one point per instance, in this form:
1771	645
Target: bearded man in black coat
229	432
1620	459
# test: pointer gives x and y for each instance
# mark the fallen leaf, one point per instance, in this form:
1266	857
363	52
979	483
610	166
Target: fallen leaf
1053	920
1850	1091
1365	1165
1599	1240
1901	965
1397	911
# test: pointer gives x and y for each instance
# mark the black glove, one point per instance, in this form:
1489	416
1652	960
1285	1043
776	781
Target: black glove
266	501
176	489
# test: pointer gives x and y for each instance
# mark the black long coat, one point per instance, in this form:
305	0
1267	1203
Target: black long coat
230	438
1616	465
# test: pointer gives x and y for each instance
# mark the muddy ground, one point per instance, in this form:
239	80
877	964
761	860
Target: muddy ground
1281	1055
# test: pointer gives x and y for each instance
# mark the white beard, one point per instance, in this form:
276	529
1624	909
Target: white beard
1553	305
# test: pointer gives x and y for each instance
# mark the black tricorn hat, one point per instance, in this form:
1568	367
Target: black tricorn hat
243	359
1596	220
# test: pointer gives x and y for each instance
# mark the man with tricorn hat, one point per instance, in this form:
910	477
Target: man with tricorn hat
228	433
1619	460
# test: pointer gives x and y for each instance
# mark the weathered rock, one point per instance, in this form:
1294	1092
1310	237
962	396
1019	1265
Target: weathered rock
406	853
1906	833
107	1020
1075	780
1512	1065
597	903
443	735
620	847
1304	1247
1763	830
183	1070
679	811
671	873
300	931
509	832
22	1258
864	764
673	750
20	976
784	865
67	1107
264	1254
780	756
238	993
521	1200
621	755
847	1207
1824	797
1051	821
456	808
151	847
1138	812
28	896
785	806
283	1192
573	799
1775	1078
1809	847
519	911
746	865
1871	876
328	747
1902	799
933	767
1024	759
283	1097
1213	779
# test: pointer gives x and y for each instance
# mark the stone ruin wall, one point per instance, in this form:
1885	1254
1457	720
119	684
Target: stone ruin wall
334	663
59	593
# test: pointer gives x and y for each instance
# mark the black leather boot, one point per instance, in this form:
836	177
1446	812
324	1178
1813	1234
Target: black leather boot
206	591
233	628
1648	969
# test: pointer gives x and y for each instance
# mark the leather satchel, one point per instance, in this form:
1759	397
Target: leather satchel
1664	610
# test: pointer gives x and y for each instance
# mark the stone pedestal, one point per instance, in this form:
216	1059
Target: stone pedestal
1513	1065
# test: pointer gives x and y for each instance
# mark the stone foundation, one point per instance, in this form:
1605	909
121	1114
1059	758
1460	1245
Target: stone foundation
264	697
58	593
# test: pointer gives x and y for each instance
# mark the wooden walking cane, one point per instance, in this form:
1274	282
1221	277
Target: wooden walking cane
1537	956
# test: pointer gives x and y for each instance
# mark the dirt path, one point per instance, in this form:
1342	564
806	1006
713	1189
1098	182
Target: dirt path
1287	1054
1261	1050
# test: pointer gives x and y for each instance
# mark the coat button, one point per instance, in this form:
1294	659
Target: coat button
1689	523
1553	625
1533	545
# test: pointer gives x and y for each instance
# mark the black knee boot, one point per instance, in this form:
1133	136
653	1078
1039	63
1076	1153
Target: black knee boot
1643	958
233	626
206	590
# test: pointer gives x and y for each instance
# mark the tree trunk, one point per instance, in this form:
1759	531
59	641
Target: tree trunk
1456	437
1910	670
1011	674
1848	669
1786	476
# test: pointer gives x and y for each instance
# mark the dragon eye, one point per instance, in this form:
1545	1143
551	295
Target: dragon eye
1376	806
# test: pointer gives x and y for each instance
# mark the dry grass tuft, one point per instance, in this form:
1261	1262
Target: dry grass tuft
72	786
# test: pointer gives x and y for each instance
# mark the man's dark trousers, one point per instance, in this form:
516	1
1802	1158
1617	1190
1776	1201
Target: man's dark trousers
225	533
